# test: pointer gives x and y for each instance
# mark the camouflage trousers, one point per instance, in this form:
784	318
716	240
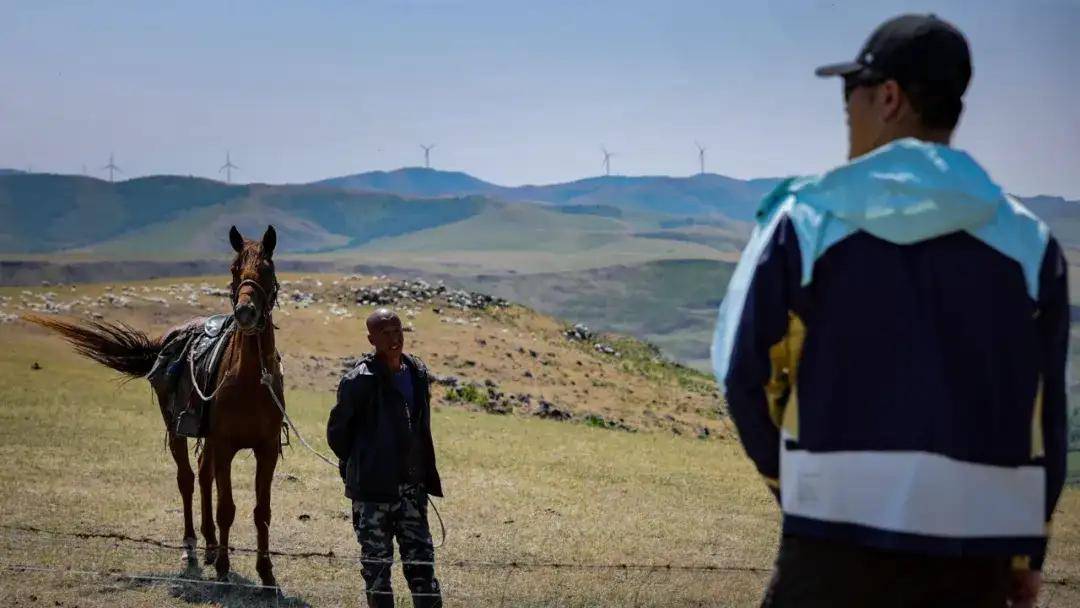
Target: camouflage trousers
376	525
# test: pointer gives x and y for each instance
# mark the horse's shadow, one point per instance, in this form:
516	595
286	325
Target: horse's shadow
191	586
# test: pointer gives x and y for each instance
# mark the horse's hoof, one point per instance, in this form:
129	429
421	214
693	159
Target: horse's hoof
265	568
190	556
210	556
221	564
192	570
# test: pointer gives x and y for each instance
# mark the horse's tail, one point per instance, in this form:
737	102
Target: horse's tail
115	345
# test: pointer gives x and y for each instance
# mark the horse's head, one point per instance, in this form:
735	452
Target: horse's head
254	283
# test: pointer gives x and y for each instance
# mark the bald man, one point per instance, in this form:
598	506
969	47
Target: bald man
380	430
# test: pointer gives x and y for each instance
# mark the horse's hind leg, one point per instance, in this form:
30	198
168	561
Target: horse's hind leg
206	502
185	480
265	462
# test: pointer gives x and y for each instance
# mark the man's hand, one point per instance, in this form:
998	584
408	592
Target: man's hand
1024	590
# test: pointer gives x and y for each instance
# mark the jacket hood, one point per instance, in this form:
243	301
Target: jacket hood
905	192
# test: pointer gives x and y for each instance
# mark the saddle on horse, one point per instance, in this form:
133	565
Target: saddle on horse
186	372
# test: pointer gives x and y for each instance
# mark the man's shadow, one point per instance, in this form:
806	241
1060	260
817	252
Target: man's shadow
189	585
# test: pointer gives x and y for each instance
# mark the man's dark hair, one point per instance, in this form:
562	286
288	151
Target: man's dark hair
936	111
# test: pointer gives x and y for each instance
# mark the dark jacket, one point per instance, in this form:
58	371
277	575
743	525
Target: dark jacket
370	432
892	349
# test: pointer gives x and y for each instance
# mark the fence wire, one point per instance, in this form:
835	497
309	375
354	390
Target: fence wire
500	595
159	545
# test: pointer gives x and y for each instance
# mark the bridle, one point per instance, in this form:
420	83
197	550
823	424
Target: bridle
268	302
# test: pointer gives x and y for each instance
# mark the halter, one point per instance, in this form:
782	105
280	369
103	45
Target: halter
268	301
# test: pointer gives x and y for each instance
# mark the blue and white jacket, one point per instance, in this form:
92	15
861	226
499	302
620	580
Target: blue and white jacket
892	349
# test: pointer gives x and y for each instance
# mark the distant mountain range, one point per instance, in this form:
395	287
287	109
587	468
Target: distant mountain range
44	213
407	209
705	194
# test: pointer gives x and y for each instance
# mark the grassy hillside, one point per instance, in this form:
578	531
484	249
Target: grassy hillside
698	195
40	213
521	490
671	303
526	238
158	215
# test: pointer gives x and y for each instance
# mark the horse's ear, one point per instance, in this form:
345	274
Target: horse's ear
269	242
236	240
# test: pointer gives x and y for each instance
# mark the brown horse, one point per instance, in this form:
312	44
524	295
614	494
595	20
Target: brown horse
244	413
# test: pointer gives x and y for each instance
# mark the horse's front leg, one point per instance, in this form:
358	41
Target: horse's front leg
226	508
266	458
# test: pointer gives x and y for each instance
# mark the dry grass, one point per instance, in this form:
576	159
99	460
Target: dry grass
80	453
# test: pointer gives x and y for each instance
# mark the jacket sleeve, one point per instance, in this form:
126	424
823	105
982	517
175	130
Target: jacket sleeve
343	417
754	319
1054	329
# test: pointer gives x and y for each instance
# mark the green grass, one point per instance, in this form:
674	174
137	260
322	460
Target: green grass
81	453
517	491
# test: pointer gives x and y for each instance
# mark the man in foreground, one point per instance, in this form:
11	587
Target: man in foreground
380	430
892	349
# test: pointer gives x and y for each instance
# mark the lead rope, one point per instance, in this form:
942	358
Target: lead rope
408	420
268	381
442	526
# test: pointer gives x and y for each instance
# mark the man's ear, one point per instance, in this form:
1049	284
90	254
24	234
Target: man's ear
371	339
890	101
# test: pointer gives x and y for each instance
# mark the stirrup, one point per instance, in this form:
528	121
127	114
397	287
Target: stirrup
187	424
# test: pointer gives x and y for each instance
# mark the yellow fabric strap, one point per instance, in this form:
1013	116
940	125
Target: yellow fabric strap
1021	562
780	390
1037	448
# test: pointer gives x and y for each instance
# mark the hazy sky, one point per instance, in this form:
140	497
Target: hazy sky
513	92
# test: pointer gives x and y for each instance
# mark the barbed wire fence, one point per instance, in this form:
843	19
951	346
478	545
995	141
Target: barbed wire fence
486	594
495	595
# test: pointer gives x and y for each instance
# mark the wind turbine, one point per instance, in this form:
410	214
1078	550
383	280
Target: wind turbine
427	154
701	156
111	167
227	168
607	160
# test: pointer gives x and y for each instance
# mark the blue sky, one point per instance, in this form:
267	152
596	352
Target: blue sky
513	92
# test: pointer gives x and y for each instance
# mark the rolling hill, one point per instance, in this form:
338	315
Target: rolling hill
707	194
42	213
414	181
173	217
47	213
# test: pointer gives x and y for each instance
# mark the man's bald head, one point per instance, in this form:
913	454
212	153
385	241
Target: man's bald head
386	335
379	317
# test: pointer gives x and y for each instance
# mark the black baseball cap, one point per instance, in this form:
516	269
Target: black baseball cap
912	49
